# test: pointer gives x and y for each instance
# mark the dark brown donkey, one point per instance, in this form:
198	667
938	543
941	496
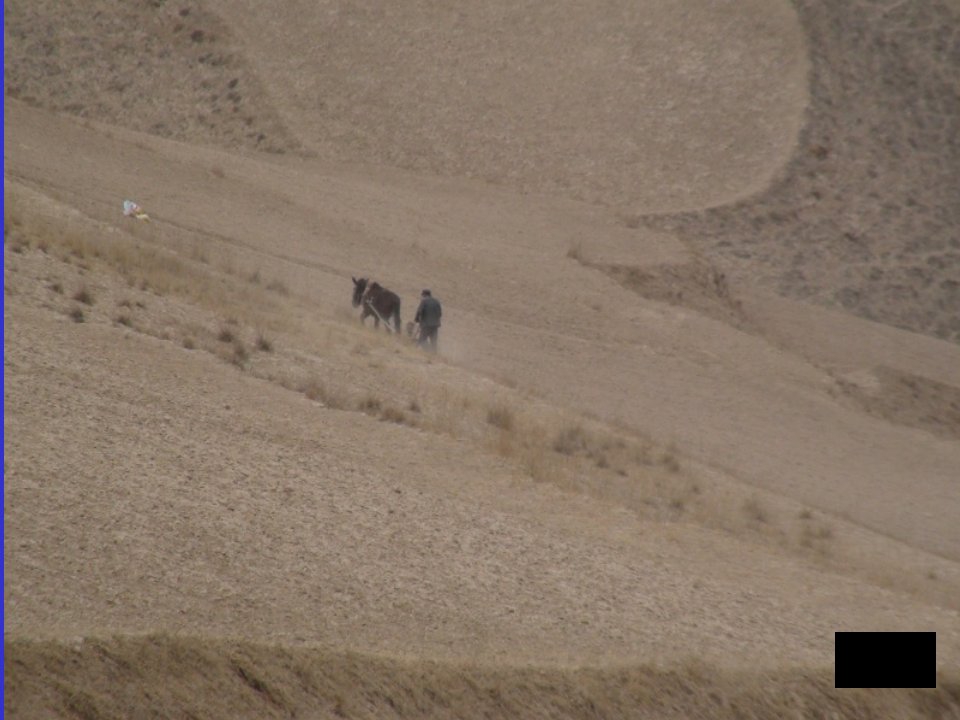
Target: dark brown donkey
377	301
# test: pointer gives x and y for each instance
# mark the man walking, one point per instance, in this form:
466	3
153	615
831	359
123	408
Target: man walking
428	318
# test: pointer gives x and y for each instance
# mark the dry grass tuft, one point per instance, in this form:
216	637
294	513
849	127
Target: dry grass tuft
263	343
754	510
501	416
370	404
76	314
320	392
670	459
199	254
278	287
226	335
571	440
240	355
575	252
539	465
394	415
816	536
84	296
148	265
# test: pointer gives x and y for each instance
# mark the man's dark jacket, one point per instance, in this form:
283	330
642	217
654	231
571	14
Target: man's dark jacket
428	314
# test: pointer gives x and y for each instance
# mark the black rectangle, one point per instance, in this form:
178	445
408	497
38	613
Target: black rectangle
885	659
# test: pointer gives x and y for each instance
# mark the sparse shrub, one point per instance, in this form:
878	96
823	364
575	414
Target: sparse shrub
240	354
189	343
754	510
414	406
312	389
805	514
318	392
83	295
76	314
125	303
679	494
642	456
575	252
394	415
124	319
571	440
669	459
538	464
199	254
263	343
226	335
816	537
500	416
370	405
278	287
56	287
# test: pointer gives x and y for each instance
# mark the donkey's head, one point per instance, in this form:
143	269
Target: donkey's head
359	286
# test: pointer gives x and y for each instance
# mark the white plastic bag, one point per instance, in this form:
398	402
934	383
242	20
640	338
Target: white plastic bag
131	209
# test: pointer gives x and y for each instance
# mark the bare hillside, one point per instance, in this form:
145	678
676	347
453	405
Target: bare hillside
644	476
653	106
170	69
201	441
244	680
865	216
822	135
